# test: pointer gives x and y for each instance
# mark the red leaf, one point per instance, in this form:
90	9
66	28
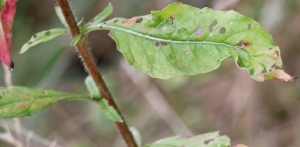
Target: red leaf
6	20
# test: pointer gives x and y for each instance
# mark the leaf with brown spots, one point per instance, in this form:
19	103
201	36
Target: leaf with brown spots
213	139
101	16
182	40
43	36
20	101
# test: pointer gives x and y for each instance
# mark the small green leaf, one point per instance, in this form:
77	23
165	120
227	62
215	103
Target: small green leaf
80	22
109	111
182	40
60	16
43	36
205	140
136	135
92	88
100	17
18	101
75	40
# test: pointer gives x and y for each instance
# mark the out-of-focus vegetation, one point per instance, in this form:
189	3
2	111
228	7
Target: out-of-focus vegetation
249	112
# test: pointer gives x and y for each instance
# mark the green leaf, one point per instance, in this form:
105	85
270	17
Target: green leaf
80	22
43	36
75	40
205	140
92	88
109	111
136	135
18	101
60	16
100	17
82	25
182	40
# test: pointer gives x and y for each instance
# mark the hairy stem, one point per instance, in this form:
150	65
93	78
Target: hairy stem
93	70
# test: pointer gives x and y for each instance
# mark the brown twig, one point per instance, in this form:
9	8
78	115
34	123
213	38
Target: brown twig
93	70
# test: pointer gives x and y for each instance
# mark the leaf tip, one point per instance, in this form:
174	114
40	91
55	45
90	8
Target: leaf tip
21	51
280	75
12	65
240	145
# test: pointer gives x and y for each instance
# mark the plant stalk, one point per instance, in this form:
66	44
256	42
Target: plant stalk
92	69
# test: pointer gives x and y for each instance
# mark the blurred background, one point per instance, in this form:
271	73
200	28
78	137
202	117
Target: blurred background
226	100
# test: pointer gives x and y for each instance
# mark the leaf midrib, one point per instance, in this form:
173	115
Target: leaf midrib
110	27
52	97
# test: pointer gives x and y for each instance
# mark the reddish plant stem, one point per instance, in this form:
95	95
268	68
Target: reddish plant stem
93	70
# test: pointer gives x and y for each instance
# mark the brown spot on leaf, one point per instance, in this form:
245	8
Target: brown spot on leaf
249	26
24	106
139	20
242	44
34	36
163	43
276	54
157	44
239	44
47	33
273	66
172	19
92	20
129	21
187	53
115	21
29	42
199	31
45	92
177	64
222	30
212	25
245	44
207	141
